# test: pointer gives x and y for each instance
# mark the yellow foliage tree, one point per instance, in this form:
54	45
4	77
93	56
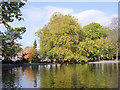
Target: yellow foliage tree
30	53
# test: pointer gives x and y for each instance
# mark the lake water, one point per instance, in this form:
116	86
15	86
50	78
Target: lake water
62	76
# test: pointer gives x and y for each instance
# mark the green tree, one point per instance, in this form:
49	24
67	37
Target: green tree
104	48
101	46
59	38
10	11
35	44
94	31
10	47
86	48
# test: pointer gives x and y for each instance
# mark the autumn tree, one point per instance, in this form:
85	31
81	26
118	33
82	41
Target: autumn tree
30	53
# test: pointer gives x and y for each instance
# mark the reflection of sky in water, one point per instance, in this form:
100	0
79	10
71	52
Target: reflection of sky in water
65	75
30	82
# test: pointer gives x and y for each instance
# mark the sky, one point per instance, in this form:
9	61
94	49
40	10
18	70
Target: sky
37	14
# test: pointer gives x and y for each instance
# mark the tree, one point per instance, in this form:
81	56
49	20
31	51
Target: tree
10	47
31	53
104	48
35	44
86	48
59	38
97	35
94	31
10	11
64	39
113	34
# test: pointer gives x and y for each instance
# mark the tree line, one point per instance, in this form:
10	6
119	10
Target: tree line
64	39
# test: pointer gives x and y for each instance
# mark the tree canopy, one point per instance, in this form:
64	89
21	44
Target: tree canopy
58	39
30	53
10	11
94	31
10	47
35	44
64	39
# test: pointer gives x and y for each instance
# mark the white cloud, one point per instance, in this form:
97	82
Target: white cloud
90	16
33	14
52	9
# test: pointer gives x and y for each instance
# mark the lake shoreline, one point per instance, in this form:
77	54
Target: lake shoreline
28	64
104	62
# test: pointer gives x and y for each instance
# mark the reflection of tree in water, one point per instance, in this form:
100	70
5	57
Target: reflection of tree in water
31	74
10	78
80	76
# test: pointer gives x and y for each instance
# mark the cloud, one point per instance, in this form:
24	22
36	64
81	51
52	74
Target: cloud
52	9
33	14
90	16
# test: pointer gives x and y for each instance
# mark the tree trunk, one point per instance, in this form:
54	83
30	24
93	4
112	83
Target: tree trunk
99	58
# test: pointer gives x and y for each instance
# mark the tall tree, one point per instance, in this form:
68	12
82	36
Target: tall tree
9	12
10	47
35	44
97	33
113	34
59	38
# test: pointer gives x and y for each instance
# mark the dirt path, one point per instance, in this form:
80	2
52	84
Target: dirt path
105	62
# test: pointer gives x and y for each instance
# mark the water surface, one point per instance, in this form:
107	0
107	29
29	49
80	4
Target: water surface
62	76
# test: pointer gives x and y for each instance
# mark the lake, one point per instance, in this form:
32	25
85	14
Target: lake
104	75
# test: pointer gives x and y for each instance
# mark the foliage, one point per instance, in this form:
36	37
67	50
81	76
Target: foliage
101	42
104	47
10	47
113	34
35	44
85	47
10	11
94	31
64	39
60	37
31	53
